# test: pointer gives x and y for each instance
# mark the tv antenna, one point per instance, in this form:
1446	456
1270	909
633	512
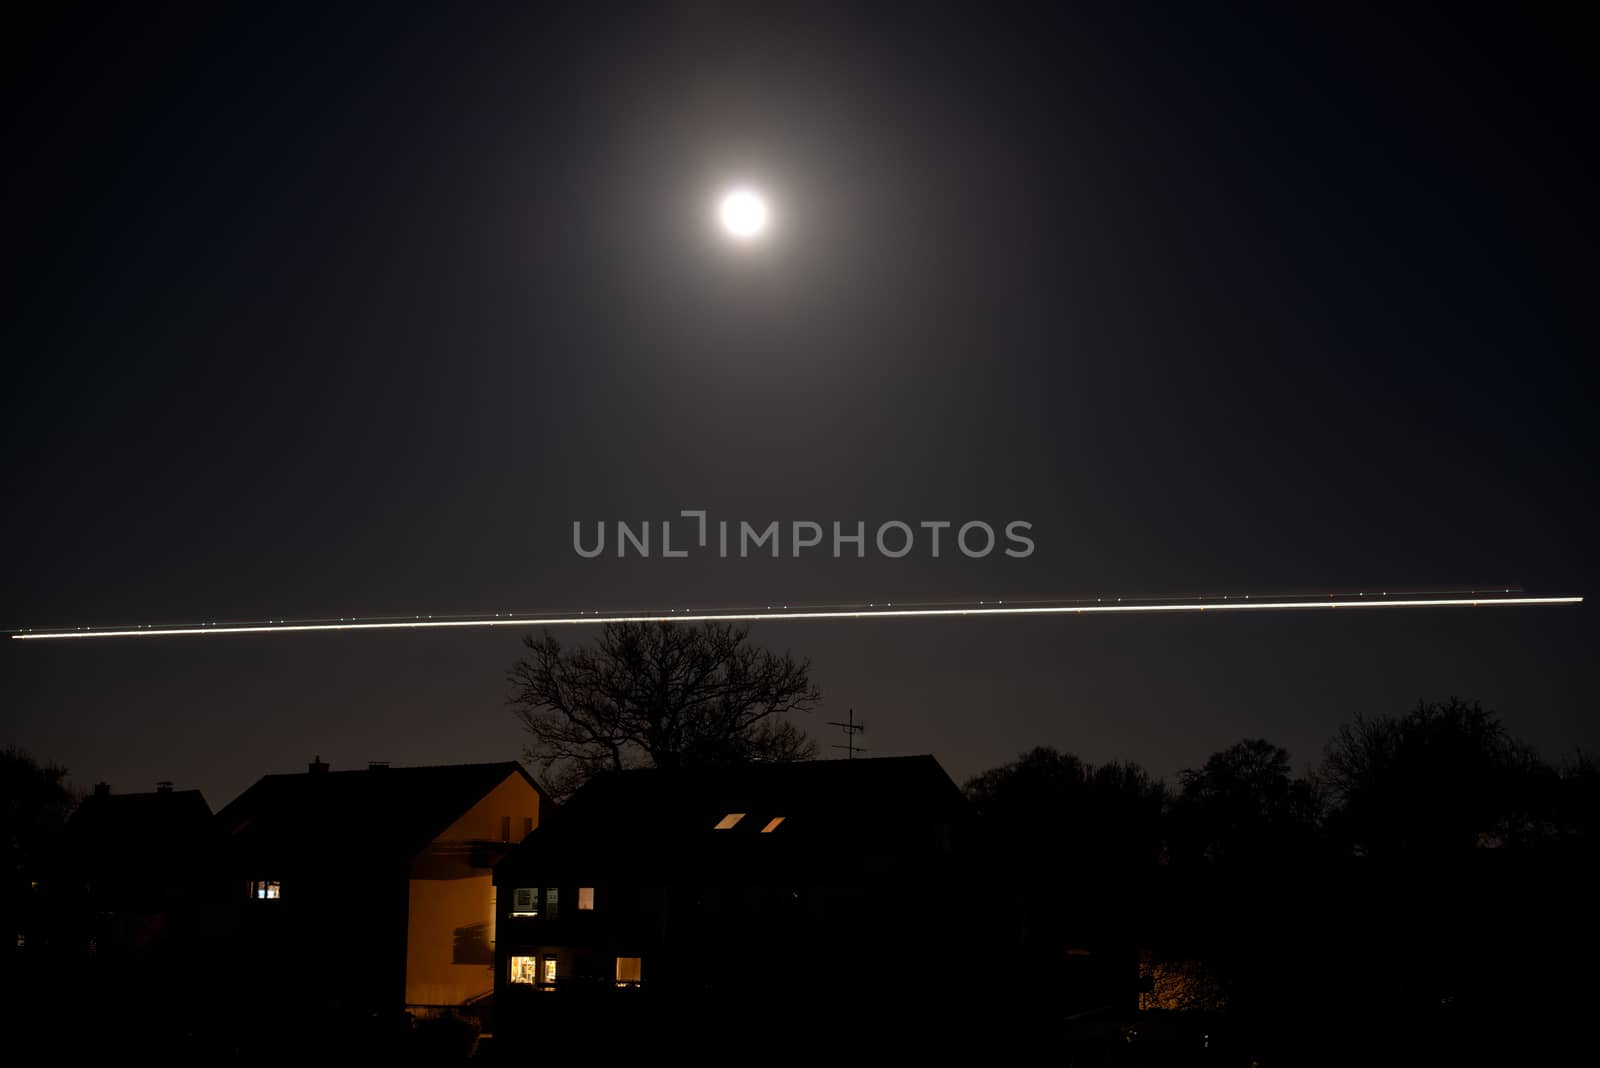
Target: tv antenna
851	728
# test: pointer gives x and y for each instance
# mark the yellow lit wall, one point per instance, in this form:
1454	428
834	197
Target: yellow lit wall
515	798
438	908
450	922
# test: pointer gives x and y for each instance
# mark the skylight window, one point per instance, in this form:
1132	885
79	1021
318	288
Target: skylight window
727	822
773	825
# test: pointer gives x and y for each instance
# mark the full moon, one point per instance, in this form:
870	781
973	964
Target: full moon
743	213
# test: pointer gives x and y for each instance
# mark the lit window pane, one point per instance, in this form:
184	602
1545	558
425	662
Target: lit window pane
585	898
629	970
769	828
524	970
549	969
264	890
729	820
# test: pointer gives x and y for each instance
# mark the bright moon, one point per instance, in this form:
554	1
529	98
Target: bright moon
744	214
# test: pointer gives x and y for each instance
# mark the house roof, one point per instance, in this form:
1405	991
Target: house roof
137	833
825	806
140	813
140	818
393	811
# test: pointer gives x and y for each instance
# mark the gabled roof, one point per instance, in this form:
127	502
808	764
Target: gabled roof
144	838
376	811
139	821
827	807
140	813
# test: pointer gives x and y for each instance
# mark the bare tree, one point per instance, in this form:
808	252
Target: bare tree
35	802
1446	776
1245	807
658	695
1048	806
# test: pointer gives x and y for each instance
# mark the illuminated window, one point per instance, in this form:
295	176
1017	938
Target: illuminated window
585	898
549	969
552	903
770	827
628	970
525	901
729	820
264	890
525	970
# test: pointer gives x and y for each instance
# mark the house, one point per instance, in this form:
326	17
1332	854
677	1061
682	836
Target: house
713	891
365	891
130	874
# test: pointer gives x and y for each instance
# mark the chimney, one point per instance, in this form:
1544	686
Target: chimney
164	786
102	789
316	767
377	765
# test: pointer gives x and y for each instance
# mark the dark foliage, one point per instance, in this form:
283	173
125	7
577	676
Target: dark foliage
1445	778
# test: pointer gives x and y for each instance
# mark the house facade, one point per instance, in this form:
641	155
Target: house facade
130	874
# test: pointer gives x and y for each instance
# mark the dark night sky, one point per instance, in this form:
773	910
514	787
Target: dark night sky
354	313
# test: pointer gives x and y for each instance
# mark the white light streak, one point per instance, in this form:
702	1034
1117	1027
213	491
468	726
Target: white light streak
802	615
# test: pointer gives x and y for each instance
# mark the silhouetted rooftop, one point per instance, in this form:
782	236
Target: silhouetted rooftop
140	815
820	806
373	810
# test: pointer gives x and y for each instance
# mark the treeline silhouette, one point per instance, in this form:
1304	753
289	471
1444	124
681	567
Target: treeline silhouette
1426	891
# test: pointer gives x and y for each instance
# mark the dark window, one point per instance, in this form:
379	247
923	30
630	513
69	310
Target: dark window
527	826
505	828
551	903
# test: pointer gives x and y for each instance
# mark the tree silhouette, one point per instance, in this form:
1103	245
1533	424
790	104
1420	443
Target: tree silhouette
1242	836
1243	806
36	802
1444	778
1076	847
1577	803
1105	817
658	695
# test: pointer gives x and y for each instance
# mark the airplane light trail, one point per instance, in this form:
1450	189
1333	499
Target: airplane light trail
982	609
